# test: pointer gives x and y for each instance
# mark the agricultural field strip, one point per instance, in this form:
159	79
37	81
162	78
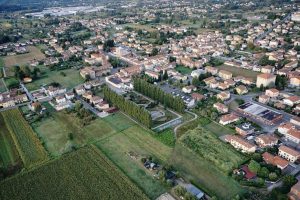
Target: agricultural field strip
28	145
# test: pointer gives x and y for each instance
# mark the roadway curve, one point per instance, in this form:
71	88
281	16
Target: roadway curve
180	125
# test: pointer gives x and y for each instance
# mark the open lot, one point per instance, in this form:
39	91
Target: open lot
23	59
137	141
2	86
64	179
203	174
218	129
69	81
240	71
28	145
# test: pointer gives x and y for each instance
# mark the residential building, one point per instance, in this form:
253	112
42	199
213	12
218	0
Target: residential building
225	74
245	129
224	95
291	101
263	99
240	144
275	160
288	153
294	194
221	108
273	93
228	118
266	140
241	89
267	80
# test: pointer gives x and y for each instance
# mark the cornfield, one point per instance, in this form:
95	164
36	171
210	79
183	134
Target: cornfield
28	145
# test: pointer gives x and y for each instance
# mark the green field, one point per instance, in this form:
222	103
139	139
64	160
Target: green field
139	142
54	131
83	174
2	86
210	148
183	70
167	137
69	81
204	174
8	153
28	145
218	129
240	71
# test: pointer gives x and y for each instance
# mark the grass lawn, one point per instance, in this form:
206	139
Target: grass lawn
82	174
23	59
140	26
183	70
240	72
8	153
69	81
55	130
203	174
119	121
138	141
218	129
167	137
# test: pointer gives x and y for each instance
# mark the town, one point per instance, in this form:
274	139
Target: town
176	99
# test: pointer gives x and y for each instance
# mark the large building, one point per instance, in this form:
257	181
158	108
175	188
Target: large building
262	113
267	80
288	153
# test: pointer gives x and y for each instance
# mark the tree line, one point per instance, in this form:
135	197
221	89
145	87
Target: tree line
129	107
159	95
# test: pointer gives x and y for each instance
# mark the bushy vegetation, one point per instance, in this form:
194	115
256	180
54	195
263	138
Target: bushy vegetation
158	94
28	145
83	174
129	107
167	137
210	148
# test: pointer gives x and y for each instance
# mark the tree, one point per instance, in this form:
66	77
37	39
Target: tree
189	196
154	52
254	166
108	44
77	106
273	176
288	182
263	172
165	75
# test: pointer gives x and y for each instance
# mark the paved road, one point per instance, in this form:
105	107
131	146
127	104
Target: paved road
264	34
177	127
27	92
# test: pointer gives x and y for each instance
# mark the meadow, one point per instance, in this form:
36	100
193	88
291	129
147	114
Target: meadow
210	148
204	174
83	174
28	145
71	79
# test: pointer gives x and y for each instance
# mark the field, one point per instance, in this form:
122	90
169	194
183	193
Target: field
240	72
210	148
183	70
69	81
83	174
137	141
203	174
218	129
55	130
8	153
23	59
167	137
28	145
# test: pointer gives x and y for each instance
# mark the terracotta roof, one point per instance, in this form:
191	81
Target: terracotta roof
265	76
289	151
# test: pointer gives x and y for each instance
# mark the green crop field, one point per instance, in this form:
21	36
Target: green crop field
28	145
69	81
210	148
83	174
8	153
240	71
139	142
204	174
